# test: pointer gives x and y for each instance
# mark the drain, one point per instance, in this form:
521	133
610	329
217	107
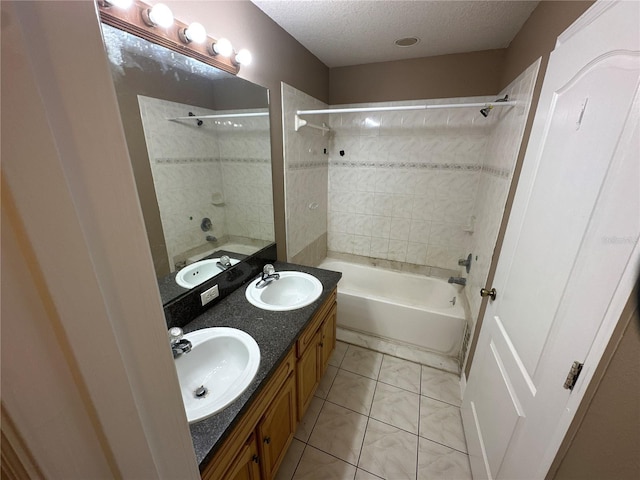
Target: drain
201	391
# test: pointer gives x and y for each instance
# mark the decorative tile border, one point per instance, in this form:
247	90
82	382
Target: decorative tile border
497	172
410	165
177	161
304	165
180	161
245	160
457	167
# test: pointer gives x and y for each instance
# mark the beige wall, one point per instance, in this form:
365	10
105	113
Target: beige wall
445	76
276	57
537	37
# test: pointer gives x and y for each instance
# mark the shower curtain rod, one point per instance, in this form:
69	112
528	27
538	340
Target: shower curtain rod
299	122
222	115
406	107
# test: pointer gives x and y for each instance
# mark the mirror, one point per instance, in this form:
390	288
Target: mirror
199	143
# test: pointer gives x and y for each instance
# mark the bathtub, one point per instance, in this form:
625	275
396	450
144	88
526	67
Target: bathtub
403	307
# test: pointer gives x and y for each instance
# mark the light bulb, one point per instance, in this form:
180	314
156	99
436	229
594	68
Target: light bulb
195	33
243	57
120	3
222	47
161	15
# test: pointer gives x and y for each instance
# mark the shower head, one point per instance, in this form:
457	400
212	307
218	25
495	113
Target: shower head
485	111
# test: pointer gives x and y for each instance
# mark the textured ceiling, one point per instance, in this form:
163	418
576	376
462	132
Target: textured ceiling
347	32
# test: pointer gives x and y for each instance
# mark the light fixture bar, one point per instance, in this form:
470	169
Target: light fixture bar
132	21
222	115
405	107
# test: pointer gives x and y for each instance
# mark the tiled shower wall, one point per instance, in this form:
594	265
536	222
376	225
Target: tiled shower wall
421	188
306	170
403	185
217	170
245	157
503	145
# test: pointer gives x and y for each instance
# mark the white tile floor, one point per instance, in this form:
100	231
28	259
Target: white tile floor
376	416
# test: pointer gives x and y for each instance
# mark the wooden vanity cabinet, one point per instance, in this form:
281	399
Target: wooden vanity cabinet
257	445
272	415
314	348
328	338
275	431
246	466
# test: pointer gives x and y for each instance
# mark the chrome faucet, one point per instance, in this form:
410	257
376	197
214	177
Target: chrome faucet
459	280
268	275
179	345
224	263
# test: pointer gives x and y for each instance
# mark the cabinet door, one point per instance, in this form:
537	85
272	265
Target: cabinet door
246	465
277	427
307	374
328	339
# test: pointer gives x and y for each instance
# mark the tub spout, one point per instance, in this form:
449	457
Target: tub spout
459	280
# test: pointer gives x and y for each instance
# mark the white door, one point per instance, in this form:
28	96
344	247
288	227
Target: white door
570	254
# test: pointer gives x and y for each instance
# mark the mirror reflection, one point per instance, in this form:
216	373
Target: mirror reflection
199	143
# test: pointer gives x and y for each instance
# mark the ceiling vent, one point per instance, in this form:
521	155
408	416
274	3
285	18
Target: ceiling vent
407	42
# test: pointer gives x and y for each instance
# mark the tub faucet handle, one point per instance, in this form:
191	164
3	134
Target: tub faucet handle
466	262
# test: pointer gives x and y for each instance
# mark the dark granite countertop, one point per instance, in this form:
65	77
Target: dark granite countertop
275	333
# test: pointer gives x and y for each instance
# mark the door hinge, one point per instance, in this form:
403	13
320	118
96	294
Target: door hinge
572	376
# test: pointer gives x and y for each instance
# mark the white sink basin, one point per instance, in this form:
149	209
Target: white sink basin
199	272
220	366
293	290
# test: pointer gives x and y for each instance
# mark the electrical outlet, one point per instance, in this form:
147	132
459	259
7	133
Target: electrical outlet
209	295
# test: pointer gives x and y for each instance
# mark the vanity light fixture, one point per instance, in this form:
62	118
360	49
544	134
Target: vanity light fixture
221	47
124	4
243	57
152	23
158	16
195	32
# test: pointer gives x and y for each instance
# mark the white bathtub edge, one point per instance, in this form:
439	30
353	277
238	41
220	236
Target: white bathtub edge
398	349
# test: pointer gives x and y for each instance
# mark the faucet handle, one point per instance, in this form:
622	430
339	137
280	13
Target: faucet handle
466	262
269	269
175	334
